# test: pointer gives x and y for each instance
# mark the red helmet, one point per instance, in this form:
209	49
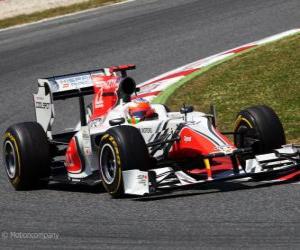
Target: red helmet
140	110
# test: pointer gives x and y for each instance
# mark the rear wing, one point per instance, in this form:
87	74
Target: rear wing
68	86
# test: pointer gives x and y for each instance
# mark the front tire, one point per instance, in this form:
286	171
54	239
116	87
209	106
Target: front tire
26	155
121	148
259	128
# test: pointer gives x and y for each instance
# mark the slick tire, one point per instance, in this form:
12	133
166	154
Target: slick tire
121	148
260	128
26	155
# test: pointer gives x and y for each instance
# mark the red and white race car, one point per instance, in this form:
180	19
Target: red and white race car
137	148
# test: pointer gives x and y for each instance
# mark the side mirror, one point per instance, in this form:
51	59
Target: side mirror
186	109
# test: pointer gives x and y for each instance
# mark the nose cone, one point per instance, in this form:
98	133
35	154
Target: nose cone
195	143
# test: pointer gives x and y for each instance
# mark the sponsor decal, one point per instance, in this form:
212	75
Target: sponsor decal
115	145
96	123
74	82
105	82
42	105
187	139
226	149
142	179
146	130
86	141
66	85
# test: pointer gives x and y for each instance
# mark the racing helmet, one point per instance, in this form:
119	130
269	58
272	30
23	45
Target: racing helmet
139	110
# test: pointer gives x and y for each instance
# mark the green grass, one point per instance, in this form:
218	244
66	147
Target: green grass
21	19
269	74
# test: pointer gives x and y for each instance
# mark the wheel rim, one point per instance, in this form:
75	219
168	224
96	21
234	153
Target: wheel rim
10	158
247	139
108	163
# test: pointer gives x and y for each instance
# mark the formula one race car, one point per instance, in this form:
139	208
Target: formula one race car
137	148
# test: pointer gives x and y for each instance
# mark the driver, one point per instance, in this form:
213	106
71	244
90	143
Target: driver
140	110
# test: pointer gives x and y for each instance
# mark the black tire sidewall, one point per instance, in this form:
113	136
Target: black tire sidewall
131	153
116	187
11	137
267	125
31	143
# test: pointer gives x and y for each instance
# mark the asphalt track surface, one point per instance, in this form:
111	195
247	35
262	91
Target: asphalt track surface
158	36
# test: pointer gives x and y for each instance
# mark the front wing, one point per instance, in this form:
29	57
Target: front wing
281	161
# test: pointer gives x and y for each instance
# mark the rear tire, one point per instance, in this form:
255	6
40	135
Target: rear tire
121	148
260	128
26	155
